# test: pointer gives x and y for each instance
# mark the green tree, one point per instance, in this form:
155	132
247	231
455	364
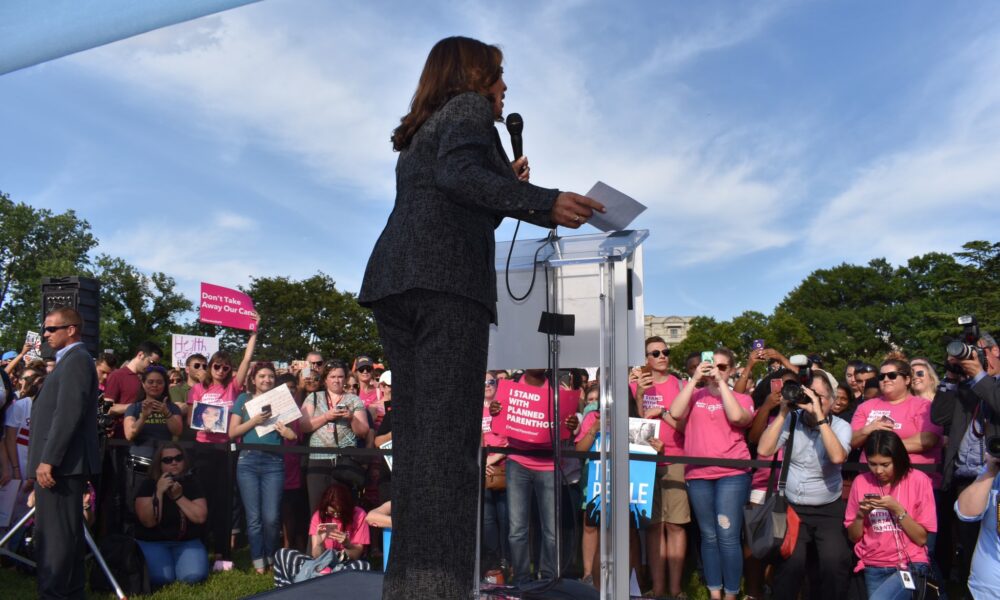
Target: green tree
35	243
299	316
136	307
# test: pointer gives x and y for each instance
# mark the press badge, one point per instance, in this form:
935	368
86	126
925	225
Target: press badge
907	578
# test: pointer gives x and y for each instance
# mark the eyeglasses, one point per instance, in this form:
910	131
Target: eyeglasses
223	368
657	353
892	375
490	382
316	363
721	366
365	369
352	386
55	328
169	460
198	365
919	373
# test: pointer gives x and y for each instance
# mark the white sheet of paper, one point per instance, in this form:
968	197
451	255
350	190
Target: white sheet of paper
8	496
621	209
283	408
387	457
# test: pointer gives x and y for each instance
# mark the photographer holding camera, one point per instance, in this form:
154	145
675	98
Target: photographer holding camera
822	442
969	412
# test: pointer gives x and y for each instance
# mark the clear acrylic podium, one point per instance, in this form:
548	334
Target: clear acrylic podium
598	278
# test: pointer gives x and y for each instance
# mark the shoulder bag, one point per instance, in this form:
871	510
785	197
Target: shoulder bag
773	526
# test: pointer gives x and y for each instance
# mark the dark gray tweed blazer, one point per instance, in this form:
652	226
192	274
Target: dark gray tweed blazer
454	186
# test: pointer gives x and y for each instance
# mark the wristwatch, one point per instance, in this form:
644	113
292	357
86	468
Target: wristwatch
823	421
901	516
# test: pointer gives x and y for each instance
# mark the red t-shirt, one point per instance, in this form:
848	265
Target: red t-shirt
123	386
662	394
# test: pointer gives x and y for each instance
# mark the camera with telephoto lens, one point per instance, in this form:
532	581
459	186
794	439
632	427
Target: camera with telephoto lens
792	392
965	346
105	420
993	445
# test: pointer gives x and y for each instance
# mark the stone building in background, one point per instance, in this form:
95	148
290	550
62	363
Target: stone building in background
672	329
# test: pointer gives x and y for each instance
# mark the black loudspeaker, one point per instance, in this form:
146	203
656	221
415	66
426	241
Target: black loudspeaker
345	585
80	293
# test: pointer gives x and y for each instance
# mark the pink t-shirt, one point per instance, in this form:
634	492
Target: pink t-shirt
911	416
662	394
369	397
762	474
490	438
358	529
214	394
711	435
878	544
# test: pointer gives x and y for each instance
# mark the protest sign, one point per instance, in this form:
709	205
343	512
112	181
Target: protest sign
641	479
226	307
525	411
283	408
210	417
183	346
387	457
640	431
34	339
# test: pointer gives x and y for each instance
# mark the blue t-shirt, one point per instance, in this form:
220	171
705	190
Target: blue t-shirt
984	577
240	408
154	429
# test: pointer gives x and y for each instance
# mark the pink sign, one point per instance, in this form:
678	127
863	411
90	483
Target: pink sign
226	307
525	414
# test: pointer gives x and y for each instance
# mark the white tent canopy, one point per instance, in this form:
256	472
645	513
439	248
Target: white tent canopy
33	31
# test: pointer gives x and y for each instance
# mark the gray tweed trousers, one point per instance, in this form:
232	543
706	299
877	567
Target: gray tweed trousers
436	344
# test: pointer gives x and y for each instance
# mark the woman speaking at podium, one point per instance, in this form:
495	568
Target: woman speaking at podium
431	283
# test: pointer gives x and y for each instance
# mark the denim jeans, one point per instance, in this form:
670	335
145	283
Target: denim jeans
261	478
496	528
718	507
884	583
522	484
168	562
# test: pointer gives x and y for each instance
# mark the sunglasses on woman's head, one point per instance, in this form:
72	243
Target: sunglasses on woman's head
169	460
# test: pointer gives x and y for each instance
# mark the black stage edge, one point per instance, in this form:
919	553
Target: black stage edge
367	585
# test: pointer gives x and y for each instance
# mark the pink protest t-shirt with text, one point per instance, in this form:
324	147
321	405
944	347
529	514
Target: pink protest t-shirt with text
358	531
220	396
878	544
711	435
663	394
910	417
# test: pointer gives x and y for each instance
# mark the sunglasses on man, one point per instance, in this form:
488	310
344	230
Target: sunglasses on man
55	328
657	353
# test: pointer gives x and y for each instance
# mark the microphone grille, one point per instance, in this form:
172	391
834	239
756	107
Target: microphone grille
515	124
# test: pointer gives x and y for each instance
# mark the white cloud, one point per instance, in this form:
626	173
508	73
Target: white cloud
233	221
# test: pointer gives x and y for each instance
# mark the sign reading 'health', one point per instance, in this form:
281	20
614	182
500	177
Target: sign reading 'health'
226	307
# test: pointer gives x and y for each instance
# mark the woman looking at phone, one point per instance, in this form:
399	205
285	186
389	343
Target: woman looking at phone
338	525
716	419
335	419
889	515
260	475
171	511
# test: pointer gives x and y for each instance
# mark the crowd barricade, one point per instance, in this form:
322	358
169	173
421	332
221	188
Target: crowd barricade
233	449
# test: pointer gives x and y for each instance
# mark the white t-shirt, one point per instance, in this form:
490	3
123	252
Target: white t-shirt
19	417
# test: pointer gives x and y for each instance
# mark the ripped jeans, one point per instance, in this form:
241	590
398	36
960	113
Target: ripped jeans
718	507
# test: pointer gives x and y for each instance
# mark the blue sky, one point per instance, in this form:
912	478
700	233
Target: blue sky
768	139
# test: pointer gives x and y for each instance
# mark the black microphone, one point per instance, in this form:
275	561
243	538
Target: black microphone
515	125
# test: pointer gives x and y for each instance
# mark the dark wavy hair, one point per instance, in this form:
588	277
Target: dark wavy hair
166	382
455	65
888	443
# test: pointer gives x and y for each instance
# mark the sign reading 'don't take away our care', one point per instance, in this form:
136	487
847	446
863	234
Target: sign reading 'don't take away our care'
226	307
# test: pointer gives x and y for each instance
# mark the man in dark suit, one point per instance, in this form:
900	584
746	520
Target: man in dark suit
62	453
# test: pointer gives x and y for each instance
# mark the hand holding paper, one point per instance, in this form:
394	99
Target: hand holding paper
620	211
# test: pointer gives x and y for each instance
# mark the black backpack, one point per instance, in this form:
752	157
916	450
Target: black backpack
125	561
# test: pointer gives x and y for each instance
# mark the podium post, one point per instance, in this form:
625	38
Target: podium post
596	278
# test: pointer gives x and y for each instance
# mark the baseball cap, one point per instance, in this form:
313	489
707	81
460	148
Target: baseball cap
363	361
9	355
386	378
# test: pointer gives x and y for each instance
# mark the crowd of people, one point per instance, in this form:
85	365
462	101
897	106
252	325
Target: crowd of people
298	494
